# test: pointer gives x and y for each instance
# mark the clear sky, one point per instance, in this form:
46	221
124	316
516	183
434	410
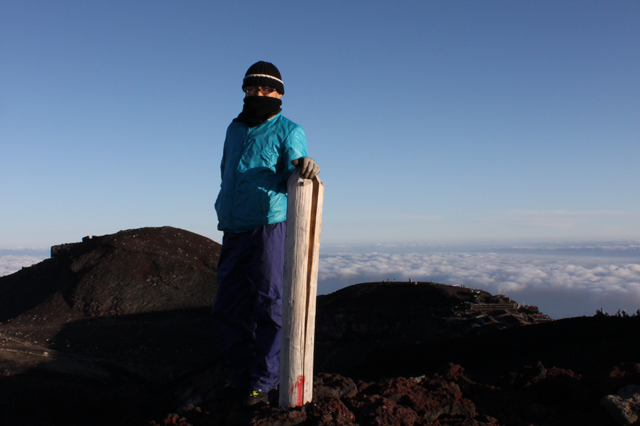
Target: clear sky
432	121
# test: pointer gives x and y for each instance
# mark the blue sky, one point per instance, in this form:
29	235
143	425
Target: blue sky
447	122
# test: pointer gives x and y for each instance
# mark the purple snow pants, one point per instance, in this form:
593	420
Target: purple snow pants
247	311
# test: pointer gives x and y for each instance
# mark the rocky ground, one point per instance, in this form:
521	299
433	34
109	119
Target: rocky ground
533	396
116	330
552	374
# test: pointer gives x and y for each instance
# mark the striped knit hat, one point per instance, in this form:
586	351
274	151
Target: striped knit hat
263	74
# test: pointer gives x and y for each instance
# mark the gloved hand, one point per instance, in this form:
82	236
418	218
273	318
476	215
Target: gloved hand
308	168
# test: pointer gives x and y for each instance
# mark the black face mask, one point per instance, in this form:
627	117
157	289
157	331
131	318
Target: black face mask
258	109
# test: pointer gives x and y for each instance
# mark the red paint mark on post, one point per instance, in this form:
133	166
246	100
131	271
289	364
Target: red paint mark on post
298	390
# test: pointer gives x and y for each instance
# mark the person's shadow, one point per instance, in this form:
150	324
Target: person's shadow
110	370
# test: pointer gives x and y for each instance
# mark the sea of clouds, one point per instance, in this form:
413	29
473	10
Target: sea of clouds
562	280
11	263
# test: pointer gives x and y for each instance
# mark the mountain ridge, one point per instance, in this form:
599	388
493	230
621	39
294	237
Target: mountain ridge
116	329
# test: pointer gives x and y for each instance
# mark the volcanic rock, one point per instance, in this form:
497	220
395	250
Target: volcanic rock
106	325
354	321
624	406
436	400
116	330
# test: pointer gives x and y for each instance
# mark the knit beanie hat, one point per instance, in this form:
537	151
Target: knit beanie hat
263	74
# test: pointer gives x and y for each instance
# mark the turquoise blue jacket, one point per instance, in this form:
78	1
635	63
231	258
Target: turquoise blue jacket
256	164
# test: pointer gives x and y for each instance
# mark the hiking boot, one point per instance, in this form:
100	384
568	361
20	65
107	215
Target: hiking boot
227	393
274	396
256	397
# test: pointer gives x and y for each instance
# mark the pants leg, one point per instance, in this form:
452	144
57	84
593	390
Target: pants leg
267	275
232	311
247	311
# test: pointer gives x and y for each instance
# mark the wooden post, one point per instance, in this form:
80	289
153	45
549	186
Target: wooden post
302	243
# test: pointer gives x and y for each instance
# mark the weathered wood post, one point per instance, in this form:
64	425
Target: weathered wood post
302	243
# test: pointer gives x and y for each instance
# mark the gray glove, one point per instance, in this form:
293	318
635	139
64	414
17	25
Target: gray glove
308	168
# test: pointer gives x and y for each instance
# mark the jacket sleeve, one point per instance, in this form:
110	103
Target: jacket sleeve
295	147
222	165
224	155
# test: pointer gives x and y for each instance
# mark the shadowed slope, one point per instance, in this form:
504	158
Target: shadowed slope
134	271
108	324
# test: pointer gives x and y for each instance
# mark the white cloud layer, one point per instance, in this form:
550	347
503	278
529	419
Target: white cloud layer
12	263
562	286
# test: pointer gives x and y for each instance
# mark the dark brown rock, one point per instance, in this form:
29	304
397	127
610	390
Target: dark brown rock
134	271
105	325
624	406
378	411
528	375
333	386
272	417
116	330
330	411
354	321
140	270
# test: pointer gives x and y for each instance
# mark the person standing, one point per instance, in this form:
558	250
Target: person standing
262	149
